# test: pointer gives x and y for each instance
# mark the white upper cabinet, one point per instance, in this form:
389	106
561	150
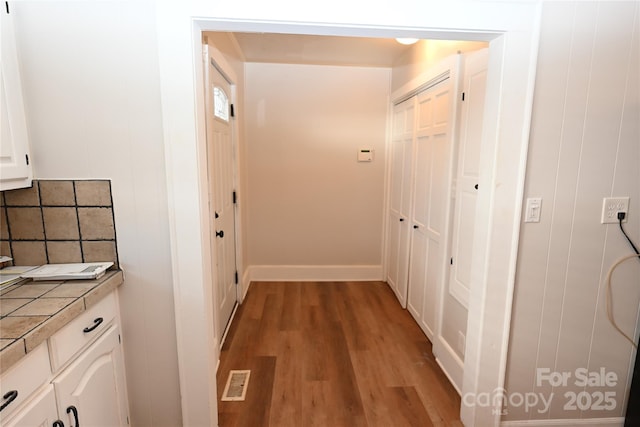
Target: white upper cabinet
15	165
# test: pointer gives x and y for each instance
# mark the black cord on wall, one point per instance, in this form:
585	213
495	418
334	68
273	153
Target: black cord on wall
608	296
621	216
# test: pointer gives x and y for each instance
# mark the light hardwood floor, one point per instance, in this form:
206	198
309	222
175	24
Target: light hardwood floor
332	354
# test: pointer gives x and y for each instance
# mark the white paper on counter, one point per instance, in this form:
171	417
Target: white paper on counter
85	270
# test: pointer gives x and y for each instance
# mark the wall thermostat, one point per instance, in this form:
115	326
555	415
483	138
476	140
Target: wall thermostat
365	155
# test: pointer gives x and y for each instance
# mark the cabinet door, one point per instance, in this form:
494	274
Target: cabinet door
15	169
94	385
23	379
40	411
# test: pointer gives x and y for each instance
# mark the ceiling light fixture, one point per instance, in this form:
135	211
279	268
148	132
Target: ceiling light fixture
407	41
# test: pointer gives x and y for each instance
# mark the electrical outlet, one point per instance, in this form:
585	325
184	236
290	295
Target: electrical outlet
610	208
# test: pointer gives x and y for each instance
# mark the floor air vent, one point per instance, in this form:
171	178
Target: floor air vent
236	387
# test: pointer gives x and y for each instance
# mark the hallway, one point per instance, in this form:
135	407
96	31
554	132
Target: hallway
332	354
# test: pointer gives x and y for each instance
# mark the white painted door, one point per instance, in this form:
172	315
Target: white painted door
91	391
466	182
220	166
40	411
15	167
400	198
434	110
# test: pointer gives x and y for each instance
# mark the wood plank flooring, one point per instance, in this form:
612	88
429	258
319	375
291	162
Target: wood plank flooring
332	354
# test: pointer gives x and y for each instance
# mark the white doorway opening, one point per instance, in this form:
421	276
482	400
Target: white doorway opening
512	35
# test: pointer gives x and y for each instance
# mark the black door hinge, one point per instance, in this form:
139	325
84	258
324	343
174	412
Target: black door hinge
233	114
235	198
463	96
26	157
236	277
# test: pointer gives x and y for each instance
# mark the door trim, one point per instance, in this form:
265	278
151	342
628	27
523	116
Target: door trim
513	36
220	327
220	63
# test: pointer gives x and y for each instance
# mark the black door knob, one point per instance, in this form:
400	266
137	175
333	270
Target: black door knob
220	233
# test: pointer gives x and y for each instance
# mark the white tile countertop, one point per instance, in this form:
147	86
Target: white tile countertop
32	311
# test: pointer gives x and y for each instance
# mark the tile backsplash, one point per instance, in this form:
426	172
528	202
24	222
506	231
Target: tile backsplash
58	222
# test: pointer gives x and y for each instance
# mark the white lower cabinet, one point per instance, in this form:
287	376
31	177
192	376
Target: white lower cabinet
40	411
90	392
87	388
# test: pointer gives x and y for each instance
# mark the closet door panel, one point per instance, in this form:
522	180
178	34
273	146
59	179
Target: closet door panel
417	274
400	199
432	147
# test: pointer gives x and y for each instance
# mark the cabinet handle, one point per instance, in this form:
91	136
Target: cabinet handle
9	396
401	219
96	322
58	423
415	227
75	414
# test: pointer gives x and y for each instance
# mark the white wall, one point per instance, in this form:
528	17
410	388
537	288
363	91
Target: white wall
424	54
311	203
584	146
91	86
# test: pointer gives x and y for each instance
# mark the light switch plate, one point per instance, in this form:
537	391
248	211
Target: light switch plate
610	208
533	209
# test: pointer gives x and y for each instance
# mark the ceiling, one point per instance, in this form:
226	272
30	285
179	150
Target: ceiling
319	50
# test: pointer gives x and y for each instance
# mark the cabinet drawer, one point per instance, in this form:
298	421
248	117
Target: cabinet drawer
41	410
24	378
85	328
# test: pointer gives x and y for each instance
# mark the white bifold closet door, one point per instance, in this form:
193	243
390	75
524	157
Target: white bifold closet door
420	183
431	151
400	197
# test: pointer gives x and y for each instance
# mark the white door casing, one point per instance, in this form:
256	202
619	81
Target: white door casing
220	161
465	186
513	34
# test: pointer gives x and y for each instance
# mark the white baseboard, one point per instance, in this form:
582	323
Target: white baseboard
591	422
314	273
246	282
451	364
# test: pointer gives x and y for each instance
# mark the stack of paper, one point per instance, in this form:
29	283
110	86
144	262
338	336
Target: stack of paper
85	270
11	275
